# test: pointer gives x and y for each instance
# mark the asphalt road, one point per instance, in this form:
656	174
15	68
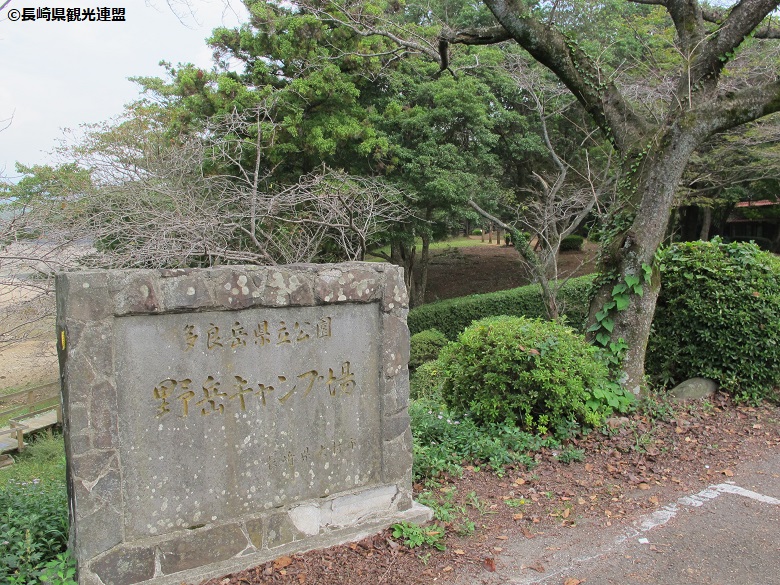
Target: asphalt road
727	534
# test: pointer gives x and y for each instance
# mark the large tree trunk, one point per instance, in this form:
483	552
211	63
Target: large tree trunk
420	278
706	223
639	228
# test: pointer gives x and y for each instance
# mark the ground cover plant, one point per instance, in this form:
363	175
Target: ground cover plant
34	517
445	440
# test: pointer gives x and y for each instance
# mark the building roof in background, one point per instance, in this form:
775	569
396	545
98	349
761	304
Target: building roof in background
761	203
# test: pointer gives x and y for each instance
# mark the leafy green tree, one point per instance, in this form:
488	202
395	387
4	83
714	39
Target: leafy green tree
671	92
355	102
442	140
654	147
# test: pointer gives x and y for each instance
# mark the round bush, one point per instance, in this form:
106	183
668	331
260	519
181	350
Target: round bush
426	382
425	347
572	242
718	316
538	374
476	232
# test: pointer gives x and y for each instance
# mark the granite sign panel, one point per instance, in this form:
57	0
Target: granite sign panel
218	418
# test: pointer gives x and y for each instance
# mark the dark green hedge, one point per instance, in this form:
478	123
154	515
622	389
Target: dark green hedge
453	315
425	347
718	316
572	242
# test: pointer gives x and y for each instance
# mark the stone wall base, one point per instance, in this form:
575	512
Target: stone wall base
190	556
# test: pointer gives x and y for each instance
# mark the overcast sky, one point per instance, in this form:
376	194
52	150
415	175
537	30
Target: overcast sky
61	74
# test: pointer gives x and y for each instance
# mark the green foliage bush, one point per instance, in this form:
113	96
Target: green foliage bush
33	528
425	347
34	516
453	315
414	535
476	232
572	242
537	374
443	442
718	316
426	381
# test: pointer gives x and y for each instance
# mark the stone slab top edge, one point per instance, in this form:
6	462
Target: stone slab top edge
100	294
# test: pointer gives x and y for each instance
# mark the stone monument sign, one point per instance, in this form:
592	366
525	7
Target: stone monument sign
219	418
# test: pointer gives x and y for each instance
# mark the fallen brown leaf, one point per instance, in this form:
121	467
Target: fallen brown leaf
282	562
459	551
571	581
490	564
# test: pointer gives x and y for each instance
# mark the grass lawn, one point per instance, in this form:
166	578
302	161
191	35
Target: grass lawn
459	242
43	460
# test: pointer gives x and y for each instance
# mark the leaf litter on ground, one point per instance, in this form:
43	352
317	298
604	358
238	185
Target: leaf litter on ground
636	467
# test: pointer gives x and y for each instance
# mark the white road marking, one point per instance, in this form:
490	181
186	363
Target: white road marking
650	521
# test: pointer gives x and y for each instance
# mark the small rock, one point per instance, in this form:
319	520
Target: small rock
615	422
694	389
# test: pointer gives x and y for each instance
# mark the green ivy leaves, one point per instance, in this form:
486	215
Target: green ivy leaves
621	299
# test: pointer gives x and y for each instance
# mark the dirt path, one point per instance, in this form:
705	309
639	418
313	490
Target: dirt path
457	272
26	311
28	363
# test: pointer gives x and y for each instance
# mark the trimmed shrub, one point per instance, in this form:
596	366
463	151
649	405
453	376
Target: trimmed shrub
452	316
718	316
476	232
426	382
537	374
425	347
572	242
